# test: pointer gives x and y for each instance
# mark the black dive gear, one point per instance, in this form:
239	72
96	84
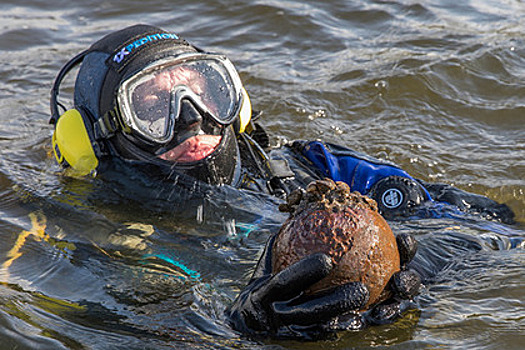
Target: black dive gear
143	131
397	196
125	117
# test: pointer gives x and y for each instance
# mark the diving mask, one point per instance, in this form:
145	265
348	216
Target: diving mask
151	101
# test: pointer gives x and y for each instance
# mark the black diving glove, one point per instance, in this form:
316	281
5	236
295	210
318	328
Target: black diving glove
471	202
276	304
403	286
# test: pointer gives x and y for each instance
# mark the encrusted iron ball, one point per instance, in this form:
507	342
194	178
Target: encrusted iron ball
345	225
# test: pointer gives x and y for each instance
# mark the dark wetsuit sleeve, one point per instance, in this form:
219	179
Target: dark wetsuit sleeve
365	174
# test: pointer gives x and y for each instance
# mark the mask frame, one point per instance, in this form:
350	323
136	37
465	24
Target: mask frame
133	124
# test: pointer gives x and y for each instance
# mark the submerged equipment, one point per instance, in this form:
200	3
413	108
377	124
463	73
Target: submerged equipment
144	94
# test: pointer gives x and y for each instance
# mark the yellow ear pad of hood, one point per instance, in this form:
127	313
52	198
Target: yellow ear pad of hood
246	111
71	143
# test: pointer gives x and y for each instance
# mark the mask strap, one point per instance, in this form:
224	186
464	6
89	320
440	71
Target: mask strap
56	86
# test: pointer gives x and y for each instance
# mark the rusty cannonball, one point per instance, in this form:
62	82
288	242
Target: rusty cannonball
346	226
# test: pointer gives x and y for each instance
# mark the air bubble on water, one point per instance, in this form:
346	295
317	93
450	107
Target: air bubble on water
337	130
381	85
317	114
435	176
280	141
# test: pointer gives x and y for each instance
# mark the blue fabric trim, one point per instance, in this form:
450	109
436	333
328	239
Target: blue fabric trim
359	173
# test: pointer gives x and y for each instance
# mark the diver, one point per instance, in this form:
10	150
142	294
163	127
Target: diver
147	97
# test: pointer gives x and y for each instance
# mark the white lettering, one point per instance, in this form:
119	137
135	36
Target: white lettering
119	57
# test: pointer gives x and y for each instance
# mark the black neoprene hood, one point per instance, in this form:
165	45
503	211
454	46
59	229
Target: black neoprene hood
120	55
117	56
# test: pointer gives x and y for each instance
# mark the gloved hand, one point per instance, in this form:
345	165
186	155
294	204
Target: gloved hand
488	208
403	285
275	304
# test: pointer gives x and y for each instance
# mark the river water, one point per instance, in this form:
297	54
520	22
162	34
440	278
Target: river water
437	87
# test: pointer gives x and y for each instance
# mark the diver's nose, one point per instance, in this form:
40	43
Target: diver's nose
189	115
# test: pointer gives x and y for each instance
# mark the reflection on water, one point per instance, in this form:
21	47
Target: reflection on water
435	86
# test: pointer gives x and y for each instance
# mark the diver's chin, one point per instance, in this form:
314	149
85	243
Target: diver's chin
193	149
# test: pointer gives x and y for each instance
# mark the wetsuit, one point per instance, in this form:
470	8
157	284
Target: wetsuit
397	193
275	303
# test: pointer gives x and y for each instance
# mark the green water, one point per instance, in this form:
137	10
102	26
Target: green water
436	86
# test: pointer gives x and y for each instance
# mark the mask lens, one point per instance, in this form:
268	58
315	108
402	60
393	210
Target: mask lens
151	109
215	89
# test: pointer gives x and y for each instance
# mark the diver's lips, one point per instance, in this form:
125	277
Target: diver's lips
193	149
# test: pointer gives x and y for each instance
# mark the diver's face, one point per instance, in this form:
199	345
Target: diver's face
195	134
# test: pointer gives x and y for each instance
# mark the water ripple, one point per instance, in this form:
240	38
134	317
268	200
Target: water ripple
435	86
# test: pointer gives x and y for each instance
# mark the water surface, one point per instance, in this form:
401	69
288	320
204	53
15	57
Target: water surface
436	86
